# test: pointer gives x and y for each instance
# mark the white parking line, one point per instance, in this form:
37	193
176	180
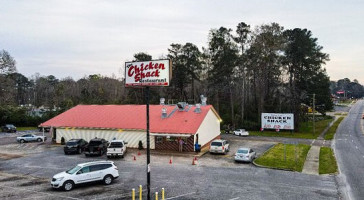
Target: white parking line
125	195
181	195
235	198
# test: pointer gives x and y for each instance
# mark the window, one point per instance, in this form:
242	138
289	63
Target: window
116	145
85	170
99	167
219	144
159	139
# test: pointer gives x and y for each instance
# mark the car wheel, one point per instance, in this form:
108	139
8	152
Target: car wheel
108	179
22	141
68	185
39	140
65	153
79	151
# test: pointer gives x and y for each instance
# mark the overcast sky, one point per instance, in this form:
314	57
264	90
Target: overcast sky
78	38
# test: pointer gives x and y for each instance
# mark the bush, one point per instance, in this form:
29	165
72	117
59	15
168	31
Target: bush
62	141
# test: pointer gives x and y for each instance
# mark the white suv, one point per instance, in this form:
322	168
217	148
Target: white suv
219	146
104	171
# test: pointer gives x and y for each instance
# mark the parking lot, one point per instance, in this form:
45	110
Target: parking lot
27	174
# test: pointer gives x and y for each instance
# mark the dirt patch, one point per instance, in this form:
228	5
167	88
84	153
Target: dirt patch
13	178
6	156
34	182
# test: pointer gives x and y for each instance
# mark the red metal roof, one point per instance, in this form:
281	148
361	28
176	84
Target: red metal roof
131	117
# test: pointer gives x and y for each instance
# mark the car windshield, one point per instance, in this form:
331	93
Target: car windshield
116	144
244	151
10	126
219	144
73	170
95	142
71	143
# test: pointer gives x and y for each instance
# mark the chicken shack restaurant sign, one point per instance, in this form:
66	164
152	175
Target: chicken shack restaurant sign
148	73
277	121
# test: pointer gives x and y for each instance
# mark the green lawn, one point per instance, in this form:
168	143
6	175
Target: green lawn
26	128
275	157
327	164
305	130
331	132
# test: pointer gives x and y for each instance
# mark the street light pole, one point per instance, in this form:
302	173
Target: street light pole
313	112
148	144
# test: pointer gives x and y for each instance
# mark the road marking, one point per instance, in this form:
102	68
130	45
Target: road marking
125	195
234	198
312	142
181	195
356	147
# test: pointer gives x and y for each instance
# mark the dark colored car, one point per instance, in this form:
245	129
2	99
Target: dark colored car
97	146
75	146
9	128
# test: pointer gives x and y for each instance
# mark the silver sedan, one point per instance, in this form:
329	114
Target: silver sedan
245	155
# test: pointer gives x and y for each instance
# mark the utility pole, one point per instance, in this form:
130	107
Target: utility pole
313	112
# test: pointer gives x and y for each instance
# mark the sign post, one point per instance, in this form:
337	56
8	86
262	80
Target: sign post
148	74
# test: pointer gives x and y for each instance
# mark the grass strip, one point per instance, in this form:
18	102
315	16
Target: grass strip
26	128
327	164
285	156
332	130
305	130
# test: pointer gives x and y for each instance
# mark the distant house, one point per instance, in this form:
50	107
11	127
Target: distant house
168	123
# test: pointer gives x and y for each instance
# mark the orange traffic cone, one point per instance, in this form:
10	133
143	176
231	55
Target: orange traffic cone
139	153
170	160
193	162
134	158
195	158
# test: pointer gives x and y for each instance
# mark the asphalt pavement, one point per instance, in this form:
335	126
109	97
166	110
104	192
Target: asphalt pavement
349	150
214	177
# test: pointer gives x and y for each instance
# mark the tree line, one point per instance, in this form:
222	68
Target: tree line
242	72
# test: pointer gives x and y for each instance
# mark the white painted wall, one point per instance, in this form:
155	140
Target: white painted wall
132	137
209	128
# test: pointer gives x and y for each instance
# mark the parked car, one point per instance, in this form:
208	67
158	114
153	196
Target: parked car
104	171
219	146
9	128
31	138
75	146
97	146
116	148
241	132
245	155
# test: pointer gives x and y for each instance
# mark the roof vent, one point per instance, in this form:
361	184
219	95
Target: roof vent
181	106
162	100
198	108
203	100
164	113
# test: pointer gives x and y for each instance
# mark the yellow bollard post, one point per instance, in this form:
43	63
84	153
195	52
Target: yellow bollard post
162	193
133	194
140	192
156	195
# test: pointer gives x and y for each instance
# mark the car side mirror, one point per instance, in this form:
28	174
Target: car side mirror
125	142
79	172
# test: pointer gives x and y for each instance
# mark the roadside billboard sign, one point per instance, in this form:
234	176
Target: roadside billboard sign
278	121
148	73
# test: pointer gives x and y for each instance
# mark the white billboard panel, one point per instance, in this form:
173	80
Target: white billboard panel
148	73
278	121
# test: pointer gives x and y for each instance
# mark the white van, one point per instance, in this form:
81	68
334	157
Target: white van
104	171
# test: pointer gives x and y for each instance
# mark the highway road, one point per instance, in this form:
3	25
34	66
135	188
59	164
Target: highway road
349	150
